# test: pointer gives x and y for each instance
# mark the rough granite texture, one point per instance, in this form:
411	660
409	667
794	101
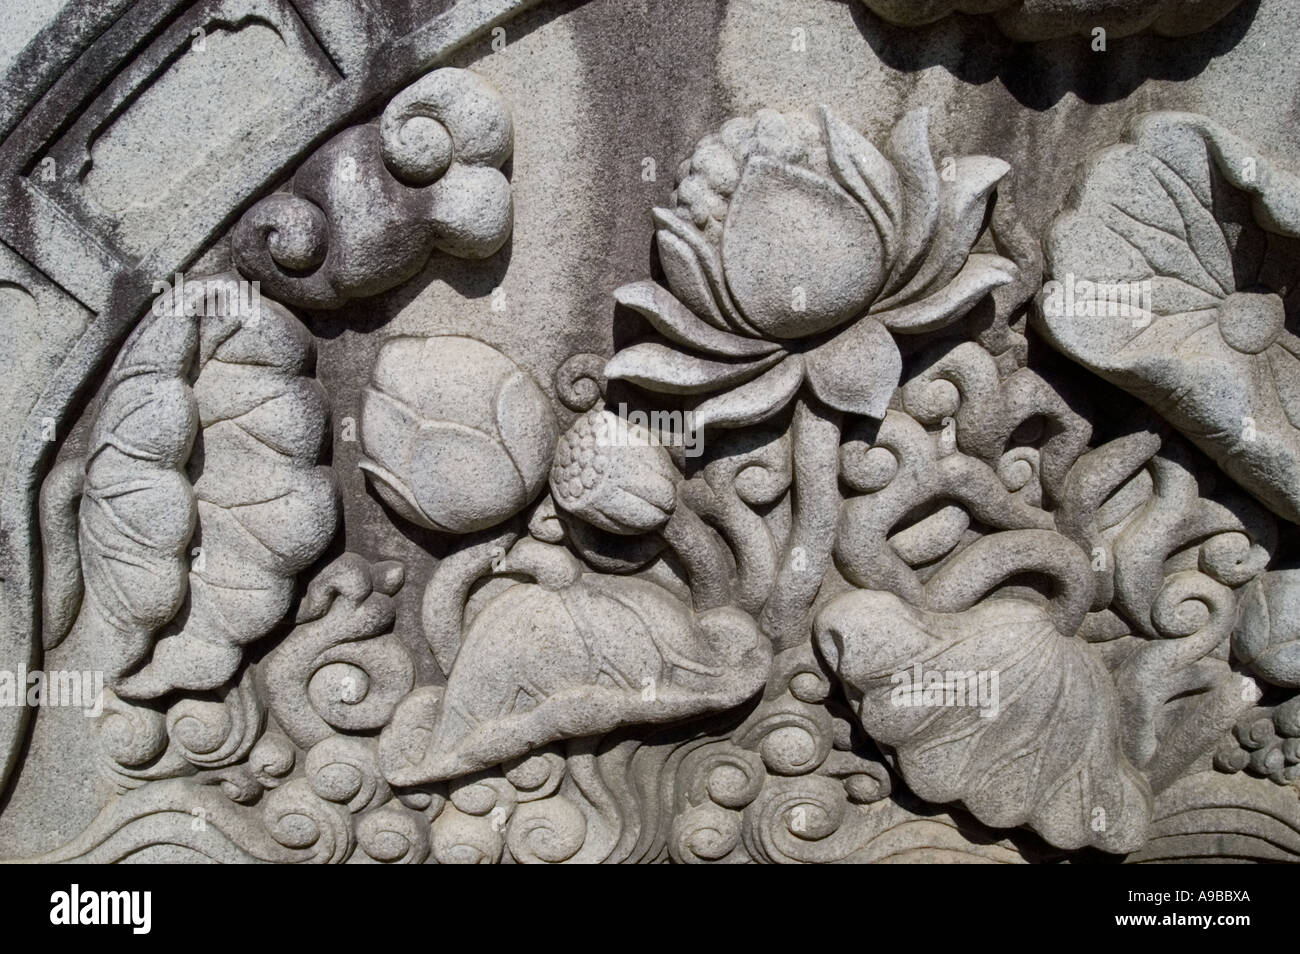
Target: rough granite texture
636	431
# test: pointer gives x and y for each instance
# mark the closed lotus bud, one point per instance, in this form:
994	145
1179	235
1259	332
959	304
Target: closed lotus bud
457	436
614	475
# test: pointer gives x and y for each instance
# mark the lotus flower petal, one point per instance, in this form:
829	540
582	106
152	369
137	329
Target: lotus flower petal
857	370
390	425
694	272
678	323
962	204
463	475
754	401
394	492
909	150
801	256
1042	748
667	370
867	175
979	276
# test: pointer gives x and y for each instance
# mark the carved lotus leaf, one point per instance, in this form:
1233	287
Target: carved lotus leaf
263	507
1200	232
539	664
1038	747
794	249
457	436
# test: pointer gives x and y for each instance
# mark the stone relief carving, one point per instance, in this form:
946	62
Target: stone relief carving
210	434
892	512
1207	223
367	209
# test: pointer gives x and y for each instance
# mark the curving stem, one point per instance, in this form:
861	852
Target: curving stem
815	431
442	612
698	549
748	535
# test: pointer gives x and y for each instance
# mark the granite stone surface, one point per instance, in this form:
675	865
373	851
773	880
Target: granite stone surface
631	431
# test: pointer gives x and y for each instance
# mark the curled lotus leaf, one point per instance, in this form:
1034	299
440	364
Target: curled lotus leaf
220	533
992	707
1031	20
1267	637
547	662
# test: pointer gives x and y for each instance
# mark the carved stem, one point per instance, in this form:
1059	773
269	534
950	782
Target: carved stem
444	597
700	553
816	444
750	540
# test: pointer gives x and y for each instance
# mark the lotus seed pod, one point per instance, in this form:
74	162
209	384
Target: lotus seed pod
613	475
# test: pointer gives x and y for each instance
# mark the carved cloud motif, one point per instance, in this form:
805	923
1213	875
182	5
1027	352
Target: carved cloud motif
1204	229
369	206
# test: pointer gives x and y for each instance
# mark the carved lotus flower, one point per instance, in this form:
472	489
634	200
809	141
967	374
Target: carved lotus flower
574	654
1267	636
794	250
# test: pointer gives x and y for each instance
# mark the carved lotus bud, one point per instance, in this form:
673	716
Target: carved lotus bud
457	437
611	474
181	572
799	253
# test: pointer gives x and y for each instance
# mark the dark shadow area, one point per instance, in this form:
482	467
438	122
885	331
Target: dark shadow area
1039	75
472	278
